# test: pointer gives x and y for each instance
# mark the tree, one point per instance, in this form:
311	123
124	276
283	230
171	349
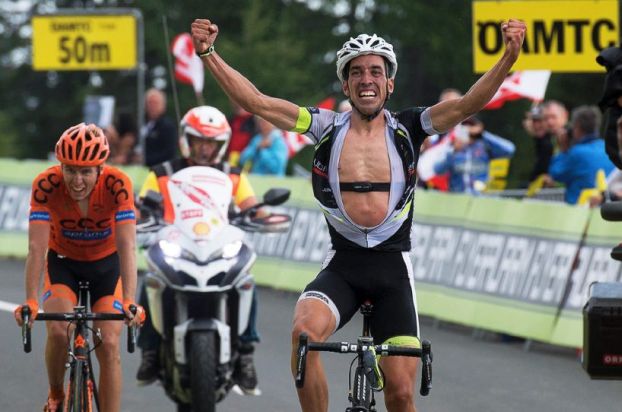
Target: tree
286	47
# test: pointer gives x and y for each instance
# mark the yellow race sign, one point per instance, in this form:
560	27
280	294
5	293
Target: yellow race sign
562	36
84	42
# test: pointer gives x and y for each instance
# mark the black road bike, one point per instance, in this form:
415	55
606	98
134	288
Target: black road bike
82	389
368	377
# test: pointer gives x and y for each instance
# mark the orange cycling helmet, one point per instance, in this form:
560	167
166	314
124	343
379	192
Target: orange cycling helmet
82	145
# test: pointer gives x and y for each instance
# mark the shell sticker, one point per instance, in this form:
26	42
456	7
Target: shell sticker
201	228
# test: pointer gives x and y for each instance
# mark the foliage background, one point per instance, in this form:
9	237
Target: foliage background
285	47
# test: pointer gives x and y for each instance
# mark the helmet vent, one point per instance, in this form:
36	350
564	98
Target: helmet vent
63	149
78	148
95	150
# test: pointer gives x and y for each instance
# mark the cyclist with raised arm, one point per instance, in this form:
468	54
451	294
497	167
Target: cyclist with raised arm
205	136
364	180
82	226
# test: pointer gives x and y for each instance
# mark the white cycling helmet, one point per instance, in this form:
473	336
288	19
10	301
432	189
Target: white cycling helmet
205	122
365	44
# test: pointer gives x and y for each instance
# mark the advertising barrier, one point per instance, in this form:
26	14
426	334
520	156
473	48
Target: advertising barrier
517	267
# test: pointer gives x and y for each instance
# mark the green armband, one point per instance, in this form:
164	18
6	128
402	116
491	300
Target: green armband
303	122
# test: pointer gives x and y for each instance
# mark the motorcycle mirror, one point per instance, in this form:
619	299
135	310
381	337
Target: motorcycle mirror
152	200
276	196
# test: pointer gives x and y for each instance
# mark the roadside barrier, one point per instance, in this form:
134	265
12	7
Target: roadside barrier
506	265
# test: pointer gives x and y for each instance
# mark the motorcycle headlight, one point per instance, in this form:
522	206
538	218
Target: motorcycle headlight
173	250
170	249
232	249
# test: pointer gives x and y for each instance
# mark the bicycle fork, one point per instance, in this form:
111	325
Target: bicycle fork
82	387
361	394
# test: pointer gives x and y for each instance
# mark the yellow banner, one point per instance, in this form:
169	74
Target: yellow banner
82	42
562	36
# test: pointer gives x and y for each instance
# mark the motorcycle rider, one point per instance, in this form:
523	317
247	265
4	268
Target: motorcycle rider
205	135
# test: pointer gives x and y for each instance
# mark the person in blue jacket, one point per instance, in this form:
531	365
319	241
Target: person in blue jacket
267	151
579	160
468	161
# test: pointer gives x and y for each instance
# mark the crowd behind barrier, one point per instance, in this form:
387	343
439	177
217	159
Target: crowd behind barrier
501	264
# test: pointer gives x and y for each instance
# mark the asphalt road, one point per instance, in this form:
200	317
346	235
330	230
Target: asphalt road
470	374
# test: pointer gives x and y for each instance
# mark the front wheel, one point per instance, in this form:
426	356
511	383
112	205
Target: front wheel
202	348
75	396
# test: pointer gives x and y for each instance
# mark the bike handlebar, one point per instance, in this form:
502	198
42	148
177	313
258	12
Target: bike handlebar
425	353
72	317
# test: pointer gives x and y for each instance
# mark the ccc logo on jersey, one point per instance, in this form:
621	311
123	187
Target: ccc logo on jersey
117	188
85	223
45	186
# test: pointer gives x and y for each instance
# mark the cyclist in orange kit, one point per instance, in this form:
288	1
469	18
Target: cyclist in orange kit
82	226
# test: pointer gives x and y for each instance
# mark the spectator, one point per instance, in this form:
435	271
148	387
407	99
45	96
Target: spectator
243	127
434	149
536	127
122	139
468	162
449	94
556	119
159	134
266	154
112	135
578	162
613	191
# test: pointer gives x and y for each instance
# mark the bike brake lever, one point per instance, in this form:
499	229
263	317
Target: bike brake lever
26	341
301	361
131	332
426	368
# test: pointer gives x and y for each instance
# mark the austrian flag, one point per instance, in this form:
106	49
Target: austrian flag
188	66
295	142
527	84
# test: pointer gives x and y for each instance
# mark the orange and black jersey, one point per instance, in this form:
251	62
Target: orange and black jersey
78	237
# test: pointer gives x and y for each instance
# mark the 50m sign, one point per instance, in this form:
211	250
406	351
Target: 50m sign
562	36
84	42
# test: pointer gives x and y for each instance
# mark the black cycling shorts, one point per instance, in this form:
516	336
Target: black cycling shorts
63	275
350	277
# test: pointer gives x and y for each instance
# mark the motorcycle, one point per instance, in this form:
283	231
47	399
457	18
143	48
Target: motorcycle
199	286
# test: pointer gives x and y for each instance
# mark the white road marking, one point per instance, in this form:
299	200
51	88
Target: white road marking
7	306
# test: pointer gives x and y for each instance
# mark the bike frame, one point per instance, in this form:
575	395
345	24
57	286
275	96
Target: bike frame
82	384
361	393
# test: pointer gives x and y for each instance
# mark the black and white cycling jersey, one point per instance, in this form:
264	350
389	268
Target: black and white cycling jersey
405	131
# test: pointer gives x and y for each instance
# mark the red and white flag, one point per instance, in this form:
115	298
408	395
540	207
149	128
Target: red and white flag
188	66
527	84
295	142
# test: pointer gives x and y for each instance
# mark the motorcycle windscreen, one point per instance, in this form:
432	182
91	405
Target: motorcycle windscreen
200	197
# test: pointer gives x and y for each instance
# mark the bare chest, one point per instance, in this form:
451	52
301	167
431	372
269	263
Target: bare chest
364	158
